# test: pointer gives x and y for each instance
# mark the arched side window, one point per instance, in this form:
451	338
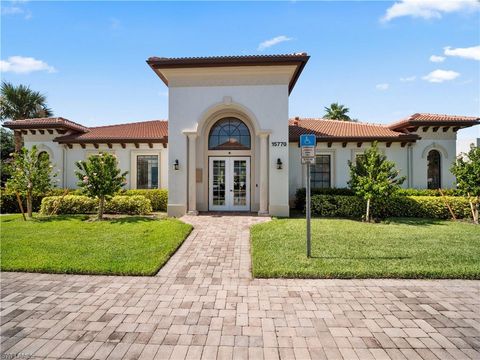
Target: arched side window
44	154
434	170
229	134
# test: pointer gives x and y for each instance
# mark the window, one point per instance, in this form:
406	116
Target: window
229	134
44	155
433	170
147	172
320	173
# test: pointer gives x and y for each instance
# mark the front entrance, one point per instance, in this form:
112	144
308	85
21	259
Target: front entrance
229	183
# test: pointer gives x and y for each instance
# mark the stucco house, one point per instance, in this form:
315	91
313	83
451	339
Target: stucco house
229	144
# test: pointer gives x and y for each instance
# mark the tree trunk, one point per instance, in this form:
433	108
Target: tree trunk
101	206
367	217
474	208
18	138
29	204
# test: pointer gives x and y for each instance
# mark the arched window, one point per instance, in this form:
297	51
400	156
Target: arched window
433	170
229	134
43	155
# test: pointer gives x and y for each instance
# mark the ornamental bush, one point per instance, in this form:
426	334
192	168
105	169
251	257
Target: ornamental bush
301	193
398	206
158	197
68	204
132	205
79	204
9	204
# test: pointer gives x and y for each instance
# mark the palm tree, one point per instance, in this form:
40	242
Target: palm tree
337	112
20	102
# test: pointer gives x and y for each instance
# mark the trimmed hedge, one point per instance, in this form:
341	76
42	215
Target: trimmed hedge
158	197
132	205
9	204
301	193
69	204
398	206
79	204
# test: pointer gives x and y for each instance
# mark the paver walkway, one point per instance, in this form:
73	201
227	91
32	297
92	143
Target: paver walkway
204	304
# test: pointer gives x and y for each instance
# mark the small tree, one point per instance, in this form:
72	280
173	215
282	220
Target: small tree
467	171
100	177
373	176
31	173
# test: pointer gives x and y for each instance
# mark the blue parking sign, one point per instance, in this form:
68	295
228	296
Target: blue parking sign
308	140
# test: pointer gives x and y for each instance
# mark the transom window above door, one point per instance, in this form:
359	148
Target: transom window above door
229	134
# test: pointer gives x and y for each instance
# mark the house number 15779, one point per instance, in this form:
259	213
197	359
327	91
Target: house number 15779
279	143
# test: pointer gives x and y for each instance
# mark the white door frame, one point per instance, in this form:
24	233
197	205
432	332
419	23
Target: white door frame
229	194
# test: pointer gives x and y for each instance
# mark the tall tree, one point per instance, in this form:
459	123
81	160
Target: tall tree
467	171
372	177
31	173
337	112
21	102
6	149
99	177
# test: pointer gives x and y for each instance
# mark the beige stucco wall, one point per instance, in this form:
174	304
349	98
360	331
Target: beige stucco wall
64	158
260	97
444	142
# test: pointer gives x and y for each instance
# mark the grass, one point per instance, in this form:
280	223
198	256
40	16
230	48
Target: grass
397	248
73	245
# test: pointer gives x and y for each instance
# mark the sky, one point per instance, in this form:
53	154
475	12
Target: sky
384	60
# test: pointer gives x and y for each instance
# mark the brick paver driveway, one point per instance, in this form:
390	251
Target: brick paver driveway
204	304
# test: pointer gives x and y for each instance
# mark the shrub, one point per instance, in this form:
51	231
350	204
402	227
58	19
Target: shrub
69	204
9	204
158	197
79	204
132	205
397	206
428	192
301	193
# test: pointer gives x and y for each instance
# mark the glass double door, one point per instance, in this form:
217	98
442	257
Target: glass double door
229	184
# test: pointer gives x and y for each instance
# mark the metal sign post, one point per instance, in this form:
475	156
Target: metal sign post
307	145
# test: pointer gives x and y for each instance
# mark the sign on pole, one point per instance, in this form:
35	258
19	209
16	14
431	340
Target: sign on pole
307	146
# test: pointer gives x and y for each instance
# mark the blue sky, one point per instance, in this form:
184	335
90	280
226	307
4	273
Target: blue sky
374	57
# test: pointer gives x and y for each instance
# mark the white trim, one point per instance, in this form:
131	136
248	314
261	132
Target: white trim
434	146
229	196
133	165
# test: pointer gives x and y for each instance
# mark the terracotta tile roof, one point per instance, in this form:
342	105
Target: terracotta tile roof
328	130
425	119
145	131
45	123
298	59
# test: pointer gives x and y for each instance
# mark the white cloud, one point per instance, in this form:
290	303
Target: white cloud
271	42
439	76
408	78
437	58
466	53
15	8
382	87
428	9
24	65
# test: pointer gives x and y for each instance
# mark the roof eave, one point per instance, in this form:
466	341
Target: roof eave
415	123
64	140
300	61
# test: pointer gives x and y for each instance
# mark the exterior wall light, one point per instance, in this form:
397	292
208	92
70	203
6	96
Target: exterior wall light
279	164
176	165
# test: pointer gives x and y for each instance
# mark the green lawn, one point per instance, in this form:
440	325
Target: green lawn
69	244
397	248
